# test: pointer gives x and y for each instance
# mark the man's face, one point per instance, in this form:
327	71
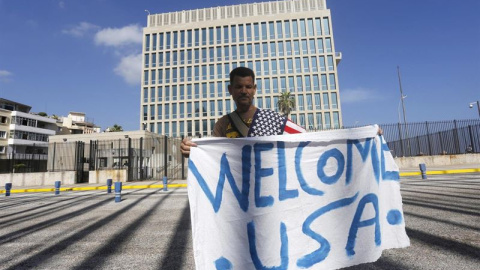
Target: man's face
242	90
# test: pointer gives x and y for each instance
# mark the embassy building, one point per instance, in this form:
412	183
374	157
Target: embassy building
188	55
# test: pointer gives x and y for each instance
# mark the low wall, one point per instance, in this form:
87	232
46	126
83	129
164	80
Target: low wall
437	161
37	179
101	176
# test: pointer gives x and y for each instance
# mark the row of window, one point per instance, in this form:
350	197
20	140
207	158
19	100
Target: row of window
238	33
310	121
305	83
221	71
240	52
31	136
220	107
22	121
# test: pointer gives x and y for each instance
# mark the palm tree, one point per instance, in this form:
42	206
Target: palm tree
286	103
115	128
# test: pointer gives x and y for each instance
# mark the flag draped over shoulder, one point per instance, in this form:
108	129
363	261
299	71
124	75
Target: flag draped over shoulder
322	200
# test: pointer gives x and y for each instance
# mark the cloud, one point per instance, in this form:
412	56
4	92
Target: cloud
129	68
118	37
5	75
358	95
81	29
61	4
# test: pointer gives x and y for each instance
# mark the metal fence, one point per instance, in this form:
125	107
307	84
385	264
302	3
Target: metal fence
143	158
155	157
433	138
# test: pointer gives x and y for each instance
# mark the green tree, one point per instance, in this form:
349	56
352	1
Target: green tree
44	114
286	103
115	128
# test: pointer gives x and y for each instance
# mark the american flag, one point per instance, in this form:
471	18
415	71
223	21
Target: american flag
292	128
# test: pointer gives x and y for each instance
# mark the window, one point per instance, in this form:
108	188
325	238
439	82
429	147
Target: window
311	123
309	103
147	43
326	103
326	27
316	83
268	102
320	45
317	102
241	32
3	120
330	62
328	44
331	78
211	38
298	65
152	94
3	134
182	39
147	60
322	63
249	32
314	64
161	41
295	28
303	30
300	102
271	28
304	46
225	34
324	82
264	31
310	27
256	30
288	47
318	28
308	85
327	120
334	101
287	29
279	30
280	48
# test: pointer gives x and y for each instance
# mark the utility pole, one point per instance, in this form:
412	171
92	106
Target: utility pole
404	114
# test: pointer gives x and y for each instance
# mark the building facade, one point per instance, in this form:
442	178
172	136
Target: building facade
188	55
27	133
76	123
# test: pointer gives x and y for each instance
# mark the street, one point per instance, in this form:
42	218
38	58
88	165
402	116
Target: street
150	228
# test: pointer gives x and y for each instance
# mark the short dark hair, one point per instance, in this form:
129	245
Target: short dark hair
241	72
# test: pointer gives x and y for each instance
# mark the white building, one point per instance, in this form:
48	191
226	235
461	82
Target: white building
76	123
27	133
188	55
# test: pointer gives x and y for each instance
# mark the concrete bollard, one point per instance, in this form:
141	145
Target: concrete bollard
8	187
165	188
118	192
423	170
109	185
57	187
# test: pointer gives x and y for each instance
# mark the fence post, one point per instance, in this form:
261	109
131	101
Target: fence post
165	156
129	162
183	163
401	141
428	139
109	185
471	138
141	159
53	159
455	133
441	143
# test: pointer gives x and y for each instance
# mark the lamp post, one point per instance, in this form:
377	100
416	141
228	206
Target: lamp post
478	106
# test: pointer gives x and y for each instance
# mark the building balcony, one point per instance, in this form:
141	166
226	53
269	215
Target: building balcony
338	57
27	142
32	129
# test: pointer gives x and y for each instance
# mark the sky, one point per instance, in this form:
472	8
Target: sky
85	56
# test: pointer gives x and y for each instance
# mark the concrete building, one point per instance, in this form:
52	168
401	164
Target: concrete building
76	123
187	57
27	133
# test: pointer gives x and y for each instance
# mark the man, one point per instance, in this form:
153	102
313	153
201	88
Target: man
247	120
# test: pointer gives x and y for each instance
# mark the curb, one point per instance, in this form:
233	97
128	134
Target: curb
185	185
93	188
441	172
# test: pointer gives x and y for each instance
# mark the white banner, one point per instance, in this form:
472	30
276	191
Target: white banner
322	200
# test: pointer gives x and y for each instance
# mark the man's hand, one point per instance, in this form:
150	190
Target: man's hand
185	146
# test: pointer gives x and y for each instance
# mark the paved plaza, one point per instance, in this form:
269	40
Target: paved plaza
150	228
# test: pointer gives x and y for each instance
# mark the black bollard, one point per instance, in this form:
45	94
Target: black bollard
8	187
109	185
